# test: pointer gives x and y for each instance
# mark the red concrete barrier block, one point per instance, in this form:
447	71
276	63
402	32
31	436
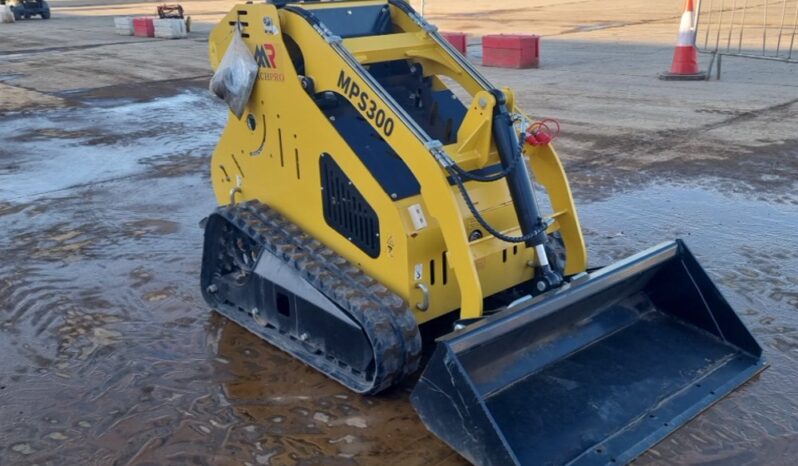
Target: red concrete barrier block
511	50
457	39
143	27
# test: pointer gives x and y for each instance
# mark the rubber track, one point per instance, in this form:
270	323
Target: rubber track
385	318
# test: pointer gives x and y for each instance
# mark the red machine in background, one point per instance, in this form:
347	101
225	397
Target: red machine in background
170	11
174	11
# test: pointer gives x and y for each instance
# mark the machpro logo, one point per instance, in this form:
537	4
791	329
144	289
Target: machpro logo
264	56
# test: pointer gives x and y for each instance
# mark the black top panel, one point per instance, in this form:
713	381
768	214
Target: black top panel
357	21
385	165
440	113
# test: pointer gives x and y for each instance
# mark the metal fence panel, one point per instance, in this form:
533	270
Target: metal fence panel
758	29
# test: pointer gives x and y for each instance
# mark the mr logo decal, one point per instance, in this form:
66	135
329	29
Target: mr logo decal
264	56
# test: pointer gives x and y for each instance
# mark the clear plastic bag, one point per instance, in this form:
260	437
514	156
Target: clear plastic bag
233	80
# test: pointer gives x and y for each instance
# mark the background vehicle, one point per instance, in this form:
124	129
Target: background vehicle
28	8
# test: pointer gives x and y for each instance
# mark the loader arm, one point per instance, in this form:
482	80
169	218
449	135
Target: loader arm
335	69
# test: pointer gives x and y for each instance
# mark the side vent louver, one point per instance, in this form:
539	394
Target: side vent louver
346	210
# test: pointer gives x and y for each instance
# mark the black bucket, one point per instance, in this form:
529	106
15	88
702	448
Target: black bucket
595	373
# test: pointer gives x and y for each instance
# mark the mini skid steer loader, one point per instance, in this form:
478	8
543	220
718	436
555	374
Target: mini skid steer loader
361	198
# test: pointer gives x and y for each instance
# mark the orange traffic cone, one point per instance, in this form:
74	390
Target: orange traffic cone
685	57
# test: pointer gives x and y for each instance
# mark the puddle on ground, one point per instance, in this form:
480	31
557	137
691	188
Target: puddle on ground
110	355
85	146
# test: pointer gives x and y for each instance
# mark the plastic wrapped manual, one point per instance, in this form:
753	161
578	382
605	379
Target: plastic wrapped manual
233	80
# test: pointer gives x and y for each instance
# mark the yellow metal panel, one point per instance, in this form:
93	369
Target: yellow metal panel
549	172
389	47
277	163
434	185
475	147
285	174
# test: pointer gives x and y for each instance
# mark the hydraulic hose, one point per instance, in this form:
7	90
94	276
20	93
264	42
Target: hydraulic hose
484	223
486	178
518	181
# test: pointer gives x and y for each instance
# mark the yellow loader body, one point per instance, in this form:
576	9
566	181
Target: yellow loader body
377	182
276	162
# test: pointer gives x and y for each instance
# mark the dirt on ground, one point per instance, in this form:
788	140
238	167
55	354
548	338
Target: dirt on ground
111	356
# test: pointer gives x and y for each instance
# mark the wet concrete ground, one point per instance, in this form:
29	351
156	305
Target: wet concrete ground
110	355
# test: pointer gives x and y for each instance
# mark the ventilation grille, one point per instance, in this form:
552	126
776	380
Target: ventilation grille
345	209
